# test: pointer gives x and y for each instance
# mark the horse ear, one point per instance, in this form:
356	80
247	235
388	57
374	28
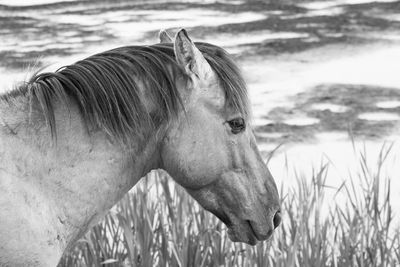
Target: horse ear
164	37
190	58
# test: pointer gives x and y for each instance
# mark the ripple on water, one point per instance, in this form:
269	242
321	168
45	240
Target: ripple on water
355	2
30	2
315	5
239	39
388	104
261	122
331	107
325	12
379	116
82	20
274	135
319	4
152	19
69	33
301	121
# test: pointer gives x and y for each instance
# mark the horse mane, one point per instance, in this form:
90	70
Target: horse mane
105	87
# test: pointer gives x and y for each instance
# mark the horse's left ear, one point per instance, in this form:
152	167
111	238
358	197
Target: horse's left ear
164	37
190	58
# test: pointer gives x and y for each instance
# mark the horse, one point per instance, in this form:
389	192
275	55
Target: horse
74	141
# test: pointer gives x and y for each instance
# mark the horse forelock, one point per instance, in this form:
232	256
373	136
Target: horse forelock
230	77
106	87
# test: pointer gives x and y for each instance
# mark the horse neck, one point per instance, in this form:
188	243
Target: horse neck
78	178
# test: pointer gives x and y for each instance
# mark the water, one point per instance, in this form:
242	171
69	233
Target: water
388	104
329	4
29	2
313	76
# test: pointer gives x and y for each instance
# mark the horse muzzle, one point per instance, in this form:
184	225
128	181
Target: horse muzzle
251	231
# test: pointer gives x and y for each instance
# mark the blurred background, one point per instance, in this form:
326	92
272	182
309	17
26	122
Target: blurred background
323	76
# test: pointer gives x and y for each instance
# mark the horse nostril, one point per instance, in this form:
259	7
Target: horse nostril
277	219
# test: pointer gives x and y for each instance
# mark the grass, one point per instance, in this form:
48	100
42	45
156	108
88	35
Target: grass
158	224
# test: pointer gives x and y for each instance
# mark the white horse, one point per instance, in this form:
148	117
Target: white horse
73	142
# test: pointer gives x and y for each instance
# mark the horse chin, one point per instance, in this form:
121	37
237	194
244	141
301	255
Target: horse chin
242	233
246	232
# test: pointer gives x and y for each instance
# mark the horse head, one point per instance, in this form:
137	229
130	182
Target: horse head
211	151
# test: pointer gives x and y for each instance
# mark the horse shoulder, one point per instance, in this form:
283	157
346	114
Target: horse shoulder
28	236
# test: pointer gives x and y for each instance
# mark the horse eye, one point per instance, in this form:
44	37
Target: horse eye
237	125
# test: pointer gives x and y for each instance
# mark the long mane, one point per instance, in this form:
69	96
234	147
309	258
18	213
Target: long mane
106	87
